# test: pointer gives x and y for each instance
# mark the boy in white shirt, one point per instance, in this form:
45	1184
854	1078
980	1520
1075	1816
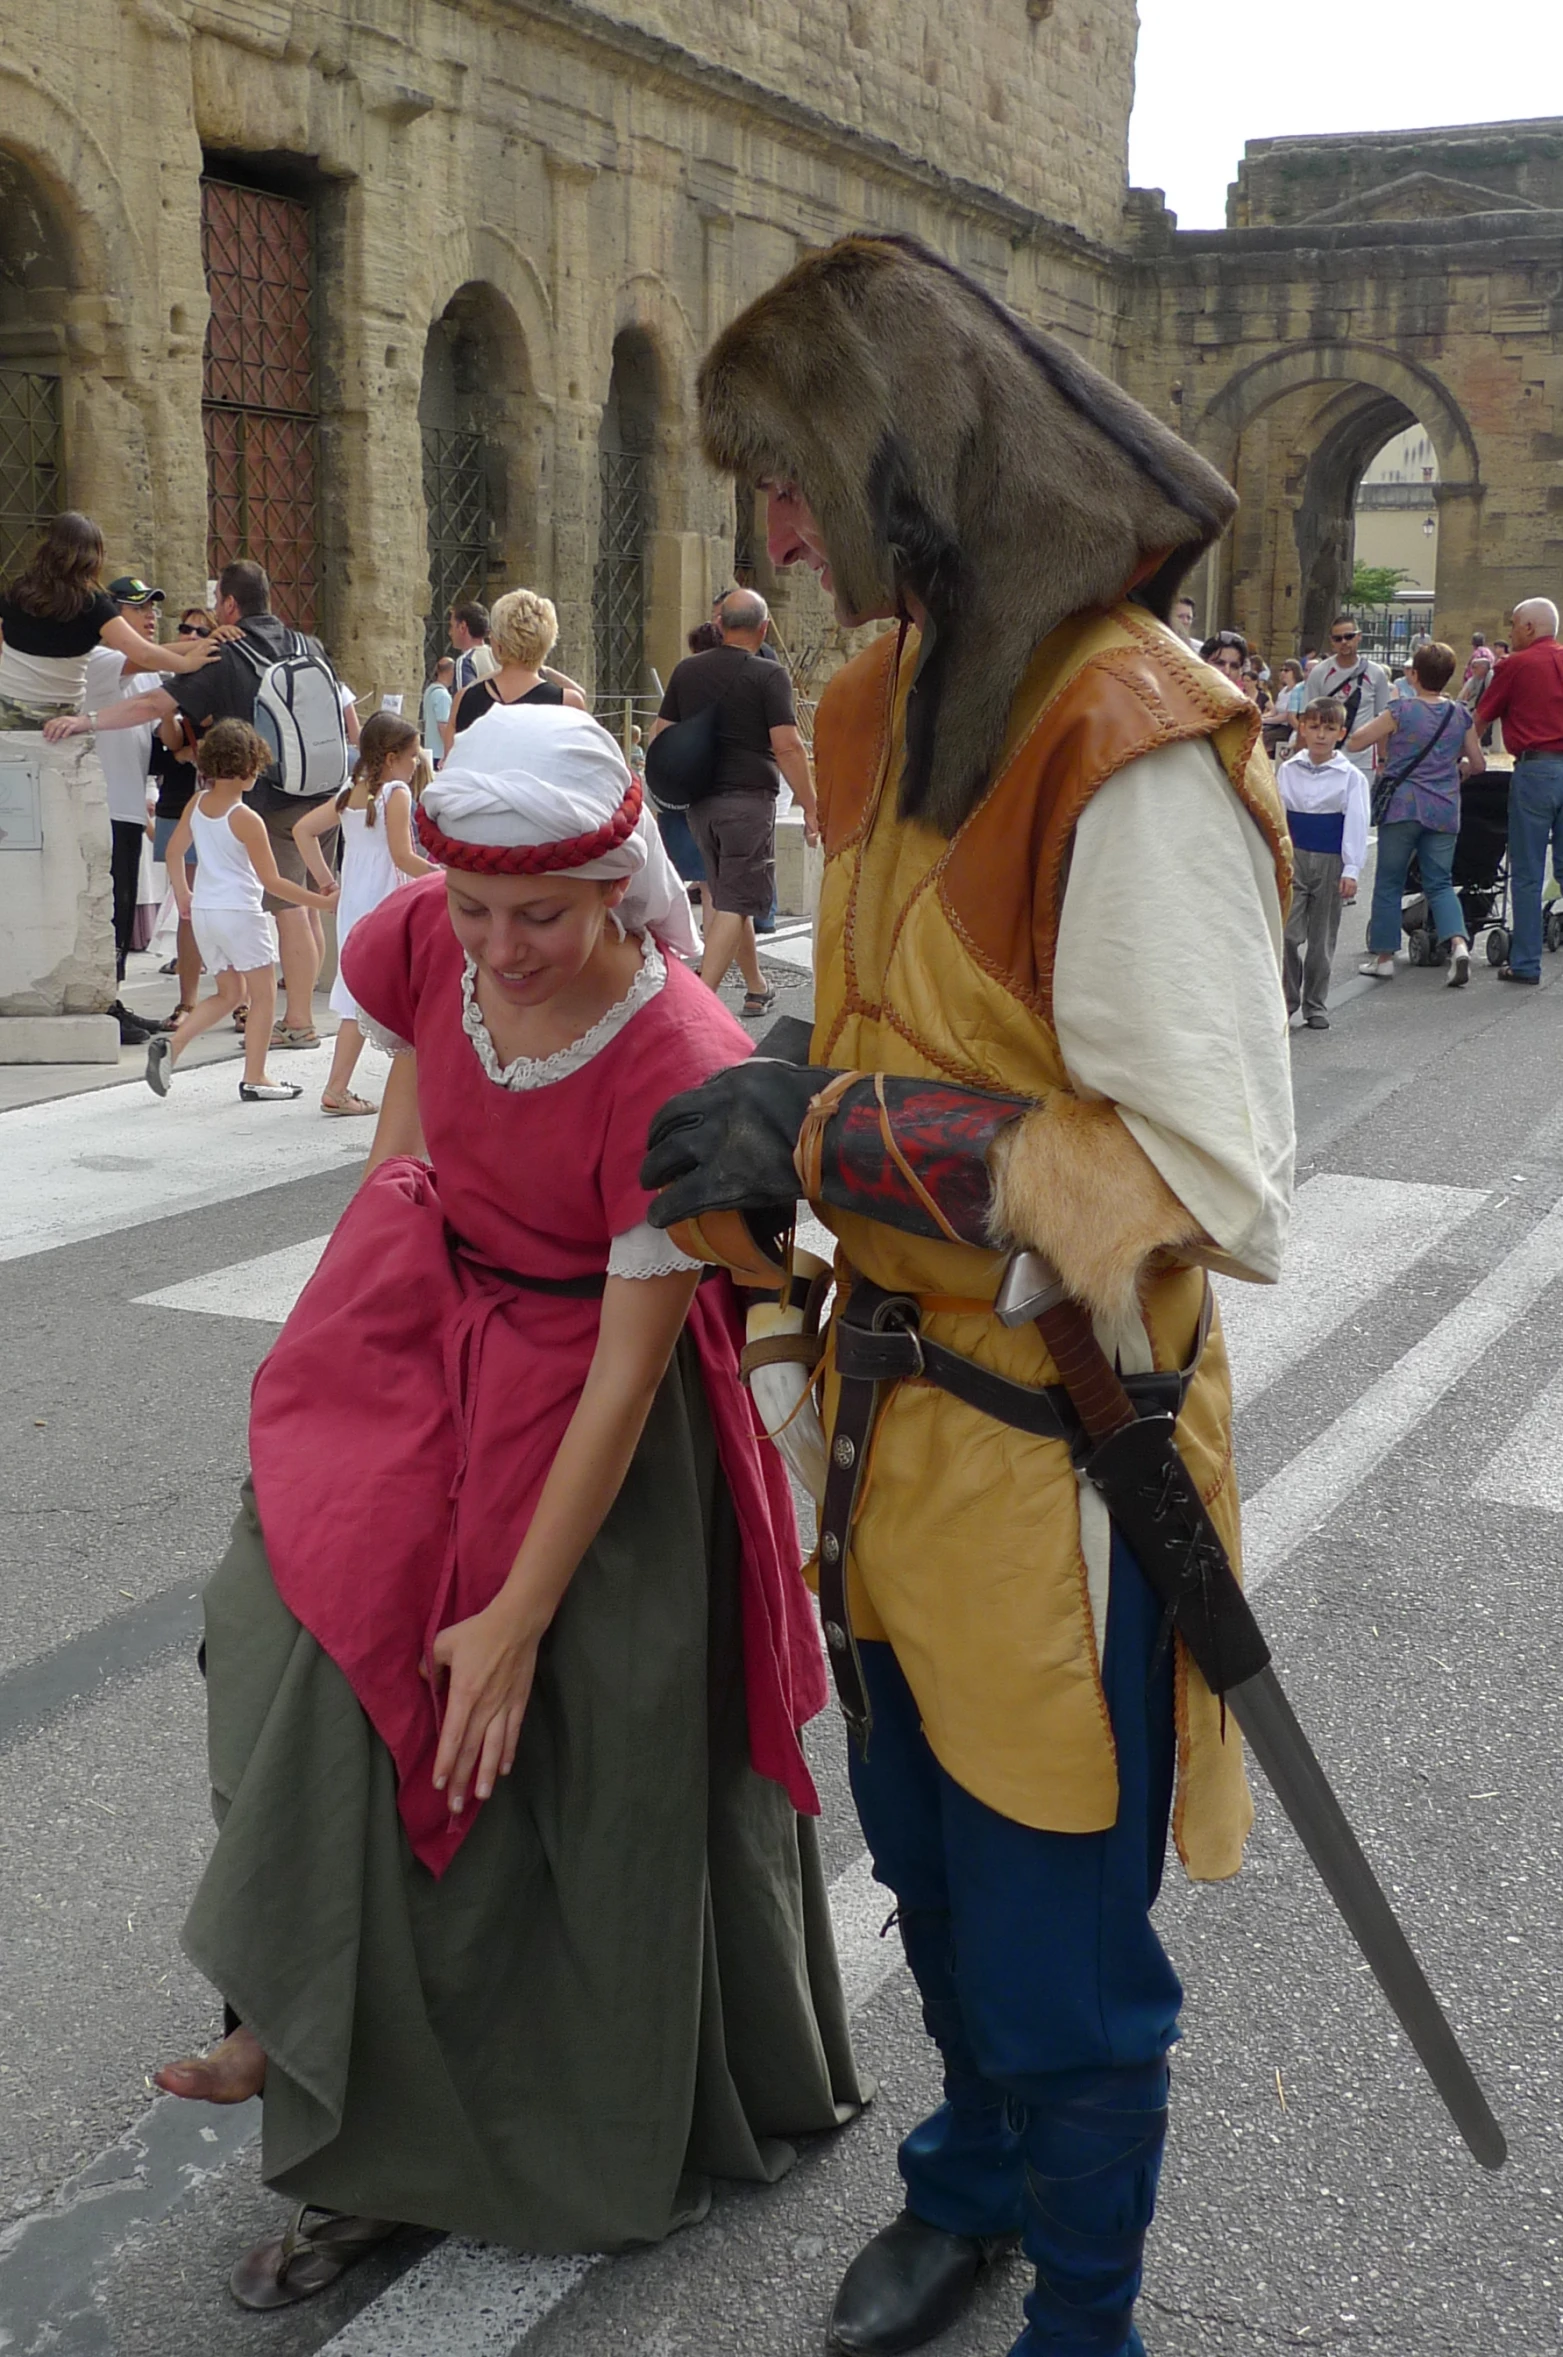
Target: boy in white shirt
1326	798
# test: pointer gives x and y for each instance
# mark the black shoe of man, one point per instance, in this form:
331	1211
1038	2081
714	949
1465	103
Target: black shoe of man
1507	974
910	2283
133	1031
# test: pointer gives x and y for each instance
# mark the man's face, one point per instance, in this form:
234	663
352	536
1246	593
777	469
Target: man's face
1345	638
794	538
460	636
1521	632
1183	615
1320	737
142	618
228	611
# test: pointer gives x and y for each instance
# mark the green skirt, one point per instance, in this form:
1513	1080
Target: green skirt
625	1983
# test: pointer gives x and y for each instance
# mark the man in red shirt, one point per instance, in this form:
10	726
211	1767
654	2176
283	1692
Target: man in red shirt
1526	694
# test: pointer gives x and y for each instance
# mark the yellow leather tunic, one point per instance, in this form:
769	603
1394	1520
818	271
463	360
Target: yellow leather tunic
934	958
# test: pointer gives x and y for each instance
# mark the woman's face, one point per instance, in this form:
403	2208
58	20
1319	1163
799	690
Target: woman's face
530	936
1229	660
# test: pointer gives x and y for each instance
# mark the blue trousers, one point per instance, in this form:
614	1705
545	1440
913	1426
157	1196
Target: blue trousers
1535	823
1046	1990
1398	839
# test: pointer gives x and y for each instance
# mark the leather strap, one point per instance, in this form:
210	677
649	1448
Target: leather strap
878	1341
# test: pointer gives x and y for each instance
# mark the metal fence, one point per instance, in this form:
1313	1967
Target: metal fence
1390	632
459	508
29	461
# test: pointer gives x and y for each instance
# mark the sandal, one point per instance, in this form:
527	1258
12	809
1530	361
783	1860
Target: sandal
240	1017
282	1037
347	1103
313	2249
758	1002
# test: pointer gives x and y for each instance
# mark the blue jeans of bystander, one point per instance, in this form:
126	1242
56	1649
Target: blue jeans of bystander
1398	840
1535	821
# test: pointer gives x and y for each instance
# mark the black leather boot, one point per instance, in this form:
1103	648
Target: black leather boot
911	2282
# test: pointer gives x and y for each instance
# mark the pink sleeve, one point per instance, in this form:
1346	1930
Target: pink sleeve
379	964
684	1036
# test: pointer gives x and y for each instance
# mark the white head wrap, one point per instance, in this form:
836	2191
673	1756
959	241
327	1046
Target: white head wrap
548	773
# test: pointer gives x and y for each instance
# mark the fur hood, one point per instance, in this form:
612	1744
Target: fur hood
949	450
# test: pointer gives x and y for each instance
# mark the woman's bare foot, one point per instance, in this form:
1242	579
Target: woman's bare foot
231	2073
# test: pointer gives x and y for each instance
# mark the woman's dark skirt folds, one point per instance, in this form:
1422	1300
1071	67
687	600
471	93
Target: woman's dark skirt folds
624	1985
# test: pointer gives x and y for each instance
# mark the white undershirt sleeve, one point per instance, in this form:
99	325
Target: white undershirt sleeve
645	1251
1167	994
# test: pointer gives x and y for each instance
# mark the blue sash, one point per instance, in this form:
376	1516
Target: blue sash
1317	830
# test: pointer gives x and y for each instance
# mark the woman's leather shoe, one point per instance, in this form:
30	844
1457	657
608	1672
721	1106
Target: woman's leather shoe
911	2282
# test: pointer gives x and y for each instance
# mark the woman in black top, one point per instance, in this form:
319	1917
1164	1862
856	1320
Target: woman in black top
52	616
522	632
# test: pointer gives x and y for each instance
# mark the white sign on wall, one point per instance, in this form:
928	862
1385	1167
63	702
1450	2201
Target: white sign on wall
21	810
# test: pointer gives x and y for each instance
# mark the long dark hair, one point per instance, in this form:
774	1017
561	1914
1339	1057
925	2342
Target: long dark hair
385	734
59	583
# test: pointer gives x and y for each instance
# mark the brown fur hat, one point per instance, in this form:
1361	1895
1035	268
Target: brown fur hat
949	450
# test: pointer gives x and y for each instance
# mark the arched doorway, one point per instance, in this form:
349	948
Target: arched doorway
1298	433
625	443
35	284
477	452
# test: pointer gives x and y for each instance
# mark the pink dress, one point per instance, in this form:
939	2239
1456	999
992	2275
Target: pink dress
404	1423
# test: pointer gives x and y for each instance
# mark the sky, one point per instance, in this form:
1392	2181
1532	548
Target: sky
1208	82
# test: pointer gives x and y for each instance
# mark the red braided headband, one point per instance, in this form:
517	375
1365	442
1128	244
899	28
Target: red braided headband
531	859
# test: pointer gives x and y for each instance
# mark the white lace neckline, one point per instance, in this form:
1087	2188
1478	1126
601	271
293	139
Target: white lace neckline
531	1072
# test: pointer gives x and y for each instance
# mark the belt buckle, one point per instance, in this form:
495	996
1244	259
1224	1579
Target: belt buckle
899	1313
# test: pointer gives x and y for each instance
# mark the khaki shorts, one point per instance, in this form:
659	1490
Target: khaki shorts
279	825
736	835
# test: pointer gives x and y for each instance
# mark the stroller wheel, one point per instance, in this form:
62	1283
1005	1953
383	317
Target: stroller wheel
1554	934
1416	948
1497	946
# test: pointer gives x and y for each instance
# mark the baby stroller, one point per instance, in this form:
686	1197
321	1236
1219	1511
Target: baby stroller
1480	874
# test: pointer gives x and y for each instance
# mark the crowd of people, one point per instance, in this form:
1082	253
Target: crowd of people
1358	747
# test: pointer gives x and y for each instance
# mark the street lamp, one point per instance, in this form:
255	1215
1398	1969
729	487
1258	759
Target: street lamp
1429	526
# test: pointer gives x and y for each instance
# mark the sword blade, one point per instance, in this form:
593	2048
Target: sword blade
1283	1751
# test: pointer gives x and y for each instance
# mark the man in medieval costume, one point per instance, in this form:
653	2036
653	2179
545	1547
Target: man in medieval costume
1048	1018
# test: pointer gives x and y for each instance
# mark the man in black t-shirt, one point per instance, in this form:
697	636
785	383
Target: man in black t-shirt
757	746
225	690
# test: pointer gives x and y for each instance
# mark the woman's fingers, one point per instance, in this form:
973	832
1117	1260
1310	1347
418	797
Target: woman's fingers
513	1718
492	1753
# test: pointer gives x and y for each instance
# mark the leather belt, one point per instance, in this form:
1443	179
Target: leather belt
878	1340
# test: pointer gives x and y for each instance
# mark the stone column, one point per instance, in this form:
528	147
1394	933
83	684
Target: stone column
577	416
1463	599
56	905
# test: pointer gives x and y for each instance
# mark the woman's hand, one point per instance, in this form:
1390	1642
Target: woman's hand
489	1663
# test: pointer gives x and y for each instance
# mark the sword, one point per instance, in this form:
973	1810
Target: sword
1133	1462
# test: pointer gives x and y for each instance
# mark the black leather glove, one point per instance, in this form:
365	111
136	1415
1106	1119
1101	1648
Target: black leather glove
728	1145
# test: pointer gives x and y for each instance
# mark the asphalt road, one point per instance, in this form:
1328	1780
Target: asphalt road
1409	1489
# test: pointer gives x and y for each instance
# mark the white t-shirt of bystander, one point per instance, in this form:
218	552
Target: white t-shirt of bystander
125	753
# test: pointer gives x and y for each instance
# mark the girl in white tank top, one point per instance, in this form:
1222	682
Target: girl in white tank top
378	857
236	938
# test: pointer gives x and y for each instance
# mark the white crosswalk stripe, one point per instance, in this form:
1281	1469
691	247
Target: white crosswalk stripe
266	1287
91	1165
1351	1239
1528	1469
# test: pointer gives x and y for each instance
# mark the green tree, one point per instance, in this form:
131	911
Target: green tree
1375	585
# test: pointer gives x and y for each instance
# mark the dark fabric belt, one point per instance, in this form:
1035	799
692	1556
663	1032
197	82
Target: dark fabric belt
1539	753
587	1288
1317	830
878	1340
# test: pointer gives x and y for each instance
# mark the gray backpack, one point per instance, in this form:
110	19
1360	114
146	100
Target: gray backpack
299	714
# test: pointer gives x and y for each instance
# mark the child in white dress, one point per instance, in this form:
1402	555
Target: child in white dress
236	938
374	811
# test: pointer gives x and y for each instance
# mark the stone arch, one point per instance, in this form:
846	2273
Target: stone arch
1341	402
66	241
1254	389
484	438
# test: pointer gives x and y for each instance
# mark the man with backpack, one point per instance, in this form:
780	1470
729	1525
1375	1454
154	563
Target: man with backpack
734	820
280	682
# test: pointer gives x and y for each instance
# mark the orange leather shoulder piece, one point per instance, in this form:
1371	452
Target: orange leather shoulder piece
1002	882
851	738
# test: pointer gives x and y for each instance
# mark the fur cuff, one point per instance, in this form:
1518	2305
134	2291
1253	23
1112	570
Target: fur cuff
1069	1181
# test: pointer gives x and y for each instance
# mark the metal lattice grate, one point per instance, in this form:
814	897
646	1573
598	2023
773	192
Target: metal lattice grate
262	438
618	585
29	462
458	504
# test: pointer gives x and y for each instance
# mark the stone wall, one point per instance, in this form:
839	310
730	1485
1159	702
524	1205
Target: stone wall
567	177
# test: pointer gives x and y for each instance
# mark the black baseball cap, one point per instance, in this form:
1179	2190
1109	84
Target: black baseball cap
131	590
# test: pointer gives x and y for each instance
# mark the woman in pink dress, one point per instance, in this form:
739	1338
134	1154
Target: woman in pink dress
515	1905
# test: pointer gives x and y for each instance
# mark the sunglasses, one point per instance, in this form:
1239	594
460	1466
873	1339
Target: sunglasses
1343	638
193	630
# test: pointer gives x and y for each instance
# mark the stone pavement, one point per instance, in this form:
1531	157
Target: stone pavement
1400	1429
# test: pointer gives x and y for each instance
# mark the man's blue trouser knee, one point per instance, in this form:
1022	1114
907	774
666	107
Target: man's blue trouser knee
1045	1988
